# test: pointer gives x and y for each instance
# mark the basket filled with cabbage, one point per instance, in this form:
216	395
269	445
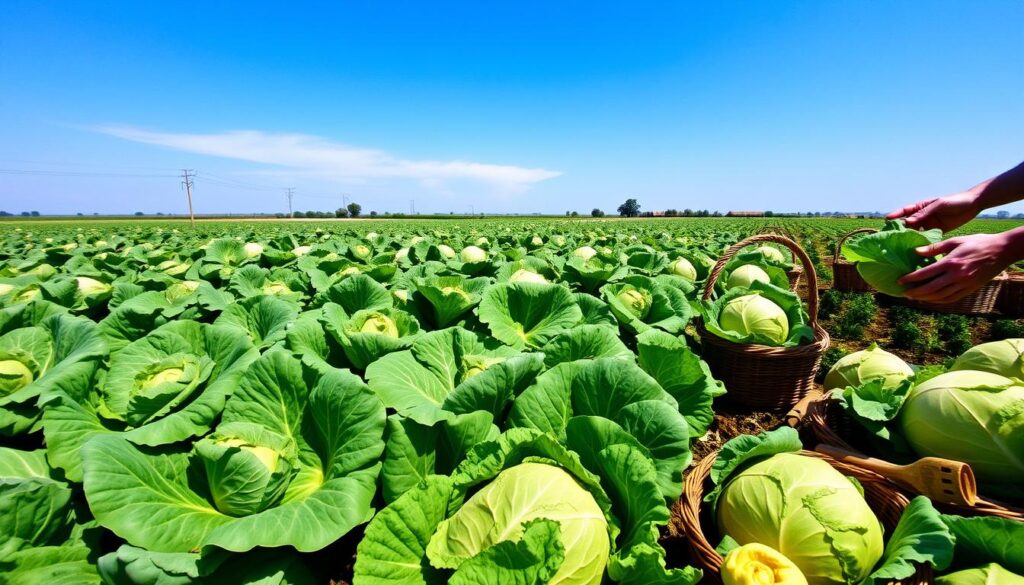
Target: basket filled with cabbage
885	256
762	510
758	338
972	412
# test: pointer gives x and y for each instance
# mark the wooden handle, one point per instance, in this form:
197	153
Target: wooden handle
796	414
859	459
842	240
798	252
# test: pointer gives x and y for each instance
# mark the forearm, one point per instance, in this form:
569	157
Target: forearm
1005	188
1011	249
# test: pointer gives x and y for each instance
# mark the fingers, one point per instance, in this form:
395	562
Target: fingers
909	209
920	218
943	247
923	274
949	294
931	288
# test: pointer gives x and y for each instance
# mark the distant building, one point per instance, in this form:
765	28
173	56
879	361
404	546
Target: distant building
658	214
745	214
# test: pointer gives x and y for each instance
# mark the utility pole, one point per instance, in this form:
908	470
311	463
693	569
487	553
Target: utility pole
472	210
412	207
290	191
344	199
186	182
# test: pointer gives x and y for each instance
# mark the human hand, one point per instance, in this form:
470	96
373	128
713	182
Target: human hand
946	213
970	263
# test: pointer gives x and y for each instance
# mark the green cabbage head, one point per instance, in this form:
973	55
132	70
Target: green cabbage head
252	249
990	574
248	467
446	250
683	267
584	252
868	364
519	494
1005	358
745	275
635	300
524	275
380	324
969	416
806	510
755	314
473	254
771	254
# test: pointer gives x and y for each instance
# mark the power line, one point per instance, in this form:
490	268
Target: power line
186	182
291	192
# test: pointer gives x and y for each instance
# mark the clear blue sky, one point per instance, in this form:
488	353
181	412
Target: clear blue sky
530	106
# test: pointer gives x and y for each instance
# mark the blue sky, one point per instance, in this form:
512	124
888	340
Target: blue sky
507	107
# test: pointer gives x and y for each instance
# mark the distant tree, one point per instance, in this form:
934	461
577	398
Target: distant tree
35	214
354	209
79	214
769	214
139	213
630	208
575	214
25	214
1003	214
596	213
341	212
298	214
373	214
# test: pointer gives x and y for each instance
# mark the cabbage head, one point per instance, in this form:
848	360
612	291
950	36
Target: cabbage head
771	254
969	416
252	249
524	275
684	268
745	275
445	251
990	574
872	363
1005	358
755	315
503	508
584	252
248	467
636	301
473	254
806	510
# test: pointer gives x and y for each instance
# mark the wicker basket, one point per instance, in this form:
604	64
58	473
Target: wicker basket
1011	296
829	424
887	503
844	274
980	302
764	377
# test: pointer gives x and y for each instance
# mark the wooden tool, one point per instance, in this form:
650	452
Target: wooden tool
942	480
796	414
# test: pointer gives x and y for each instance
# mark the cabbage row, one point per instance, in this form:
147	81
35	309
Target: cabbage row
460	408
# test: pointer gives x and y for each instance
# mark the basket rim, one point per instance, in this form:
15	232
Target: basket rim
692	501
816	418
842	240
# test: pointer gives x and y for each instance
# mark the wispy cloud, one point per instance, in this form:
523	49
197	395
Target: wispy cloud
321	157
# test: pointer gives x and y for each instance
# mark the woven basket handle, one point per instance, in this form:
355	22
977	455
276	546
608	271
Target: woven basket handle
812	277
842	240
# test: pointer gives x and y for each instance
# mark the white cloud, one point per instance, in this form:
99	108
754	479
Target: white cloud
317	156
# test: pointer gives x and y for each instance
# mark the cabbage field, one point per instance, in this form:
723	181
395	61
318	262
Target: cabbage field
521	400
